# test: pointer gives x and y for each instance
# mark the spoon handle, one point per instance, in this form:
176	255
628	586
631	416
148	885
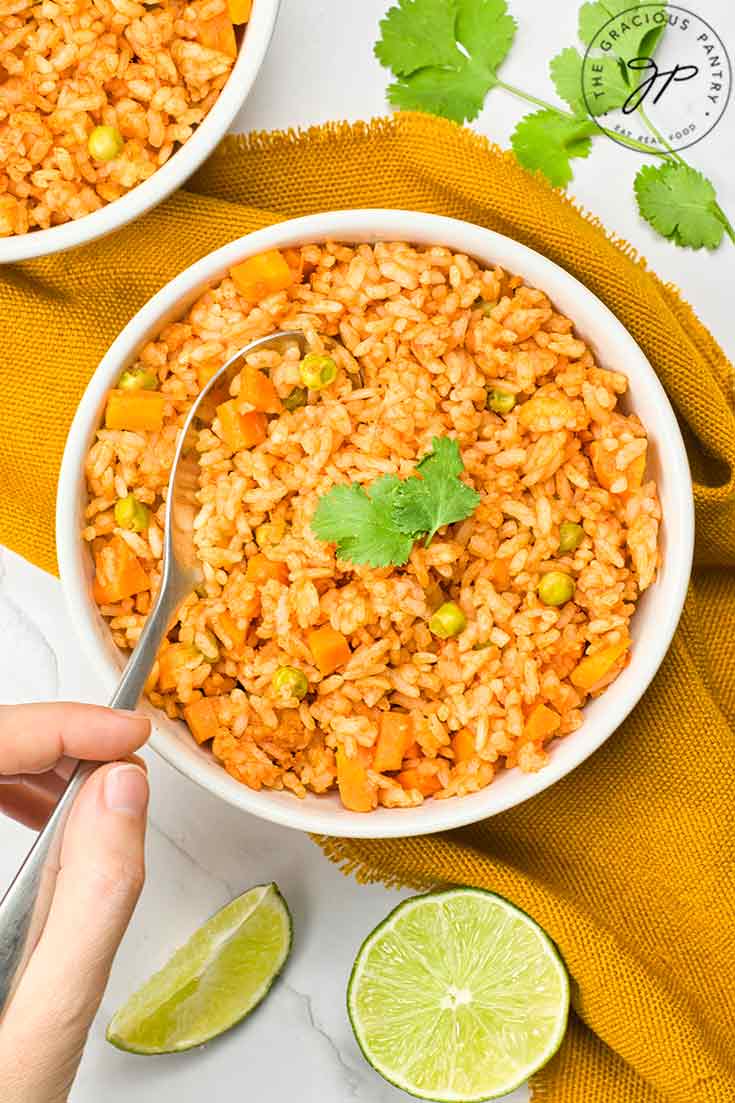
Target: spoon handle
25	906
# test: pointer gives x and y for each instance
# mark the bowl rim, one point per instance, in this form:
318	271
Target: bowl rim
179	167
370	225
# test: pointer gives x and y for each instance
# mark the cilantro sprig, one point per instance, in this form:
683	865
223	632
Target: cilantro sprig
445	56
361	523
378	525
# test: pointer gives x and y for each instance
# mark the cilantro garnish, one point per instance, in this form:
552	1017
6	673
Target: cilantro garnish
680	203
435	497
639	41
361	523
377	525
547	141
444	53
445	56
611	89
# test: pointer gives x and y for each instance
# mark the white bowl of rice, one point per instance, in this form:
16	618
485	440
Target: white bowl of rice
108	106
562	588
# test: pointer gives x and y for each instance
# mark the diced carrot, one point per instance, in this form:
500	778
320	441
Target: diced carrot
593	668
239	10
607	471
463	745
172	660
228	630
417	779
262	275
500	573
206	370
257	389
412	750
238	430
261	569
329	648
356	790
134	410
635	471
396	735
219	34
201	716
229	422
295	261
254	427
541	723
118	573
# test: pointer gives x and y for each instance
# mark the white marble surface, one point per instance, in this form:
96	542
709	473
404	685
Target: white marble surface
299	1046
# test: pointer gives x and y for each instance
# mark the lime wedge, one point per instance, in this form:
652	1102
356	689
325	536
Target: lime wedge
213	981
458	995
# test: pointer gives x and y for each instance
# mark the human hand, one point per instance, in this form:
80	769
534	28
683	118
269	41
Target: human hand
101	873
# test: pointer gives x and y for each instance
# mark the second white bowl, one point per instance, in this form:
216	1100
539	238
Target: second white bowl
178	168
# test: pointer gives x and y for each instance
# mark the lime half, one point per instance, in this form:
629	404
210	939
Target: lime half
458	995
213	981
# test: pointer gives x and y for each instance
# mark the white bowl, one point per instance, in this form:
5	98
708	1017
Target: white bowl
186	160
652	626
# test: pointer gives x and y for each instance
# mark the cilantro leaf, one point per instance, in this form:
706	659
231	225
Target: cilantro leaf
606	89
547	141
486	31
418	33
679	203
444	53
635	41
361	523
438	497
596	13
439	92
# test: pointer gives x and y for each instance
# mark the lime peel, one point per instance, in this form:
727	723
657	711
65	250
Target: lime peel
458	996
213	981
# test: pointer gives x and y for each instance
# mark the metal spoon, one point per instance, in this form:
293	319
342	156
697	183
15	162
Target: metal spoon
25	906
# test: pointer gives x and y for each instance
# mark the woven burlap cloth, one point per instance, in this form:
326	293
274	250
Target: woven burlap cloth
628	862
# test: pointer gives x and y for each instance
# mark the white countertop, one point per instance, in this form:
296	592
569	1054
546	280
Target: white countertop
299	1046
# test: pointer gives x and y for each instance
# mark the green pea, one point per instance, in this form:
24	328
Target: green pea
137	379
105	143
570	537
500	402
132	514
296	398
317	371
288	681
556	588
448	620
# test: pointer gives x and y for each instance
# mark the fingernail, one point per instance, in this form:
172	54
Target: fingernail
126	790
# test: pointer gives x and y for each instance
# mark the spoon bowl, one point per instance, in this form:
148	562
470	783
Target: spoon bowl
181	570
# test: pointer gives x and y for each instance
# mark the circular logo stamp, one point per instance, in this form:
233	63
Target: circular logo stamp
656	74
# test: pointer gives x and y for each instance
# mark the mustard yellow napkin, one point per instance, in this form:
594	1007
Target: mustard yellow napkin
628	862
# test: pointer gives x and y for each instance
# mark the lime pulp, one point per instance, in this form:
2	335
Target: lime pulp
213	981
458	996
